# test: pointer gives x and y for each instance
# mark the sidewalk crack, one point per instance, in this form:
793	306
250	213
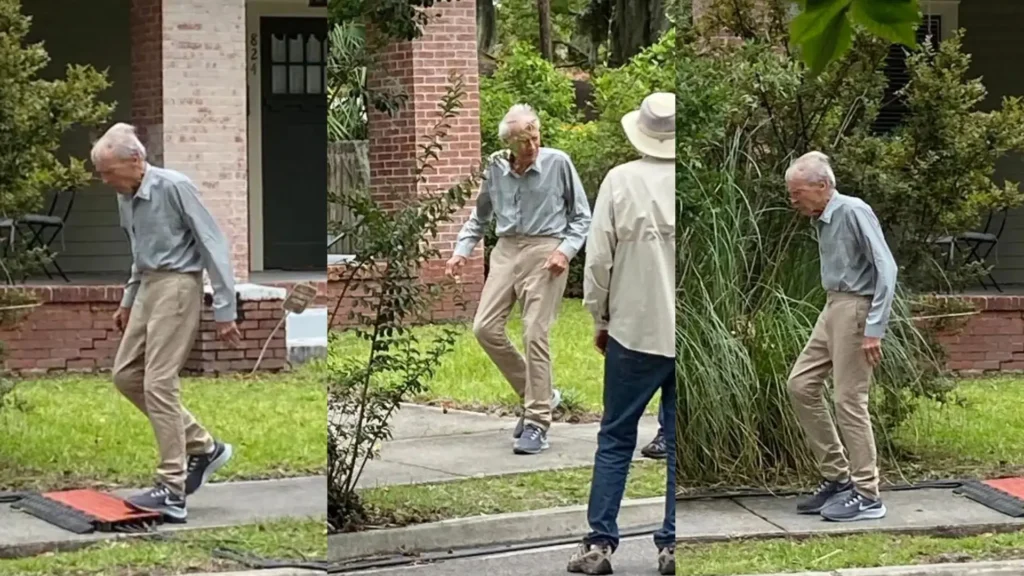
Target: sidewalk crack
755	513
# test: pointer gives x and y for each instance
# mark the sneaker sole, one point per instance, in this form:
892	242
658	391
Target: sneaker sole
835	498
215	465
521	451
872	514
602	569
172	515
653	455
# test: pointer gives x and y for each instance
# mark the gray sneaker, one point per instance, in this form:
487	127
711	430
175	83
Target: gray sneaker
667	560
827	492
855	507
591	559
202	466
556	401
533	441
161	500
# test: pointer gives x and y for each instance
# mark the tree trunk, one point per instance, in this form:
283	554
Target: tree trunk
544	11
636	24
486	25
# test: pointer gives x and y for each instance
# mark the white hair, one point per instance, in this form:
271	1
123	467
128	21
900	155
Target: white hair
121	142
517	117
812	167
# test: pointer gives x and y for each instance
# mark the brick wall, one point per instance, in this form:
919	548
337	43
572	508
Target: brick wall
147	112
422	68
991	340
73	331
189	102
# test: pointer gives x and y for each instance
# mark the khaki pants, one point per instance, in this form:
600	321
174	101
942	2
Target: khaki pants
835	346
517	273
156	343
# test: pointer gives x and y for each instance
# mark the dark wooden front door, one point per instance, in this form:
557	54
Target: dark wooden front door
294	116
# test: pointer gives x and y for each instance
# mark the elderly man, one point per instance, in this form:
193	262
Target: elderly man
630	290
542	218
859	273
173	238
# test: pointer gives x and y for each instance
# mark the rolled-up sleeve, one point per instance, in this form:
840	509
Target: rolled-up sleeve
873	241
597	273
214	248
579	212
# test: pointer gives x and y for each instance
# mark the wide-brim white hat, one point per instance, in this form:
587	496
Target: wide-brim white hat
652	128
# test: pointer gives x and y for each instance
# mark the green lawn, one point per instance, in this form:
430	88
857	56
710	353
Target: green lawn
499	494
835	553
78	431
467	379
979	437
181	552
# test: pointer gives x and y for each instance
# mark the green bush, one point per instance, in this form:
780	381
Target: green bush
748	264
523	77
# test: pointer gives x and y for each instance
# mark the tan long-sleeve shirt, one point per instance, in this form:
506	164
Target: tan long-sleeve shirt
629	284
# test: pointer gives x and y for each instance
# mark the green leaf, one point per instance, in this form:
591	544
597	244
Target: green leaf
892	20
816	17
825	48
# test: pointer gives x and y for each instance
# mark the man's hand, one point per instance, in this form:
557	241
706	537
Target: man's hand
121	318
557	263
873	350
453	267
228	332
601	341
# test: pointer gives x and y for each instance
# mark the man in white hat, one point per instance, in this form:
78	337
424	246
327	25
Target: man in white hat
542	215
629	287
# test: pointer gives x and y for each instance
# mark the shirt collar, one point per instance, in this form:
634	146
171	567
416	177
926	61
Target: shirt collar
147	183
830	208
535	167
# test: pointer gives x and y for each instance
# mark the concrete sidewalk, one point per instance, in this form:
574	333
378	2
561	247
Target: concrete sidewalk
215	506
429	445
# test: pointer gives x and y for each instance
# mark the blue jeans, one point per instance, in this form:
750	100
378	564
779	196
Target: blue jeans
630	381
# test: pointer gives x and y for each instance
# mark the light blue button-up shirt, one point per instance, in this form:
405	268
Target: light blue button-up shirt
546	200
172	231
855	257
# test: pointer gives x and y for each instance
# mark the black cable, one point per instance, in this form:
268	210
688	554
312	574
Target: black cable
11	497
434	557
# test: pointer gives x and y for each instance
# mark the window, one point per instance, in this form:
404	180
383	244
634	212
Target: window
894	109
297	64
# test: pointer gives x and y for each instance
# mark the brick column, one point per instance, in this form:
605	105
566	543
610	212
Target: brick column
189	101
422	67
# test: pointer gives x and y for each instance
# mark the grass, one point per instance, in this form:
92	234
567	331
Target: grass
413	504
181	552
836	553
79	431
467	379
982	435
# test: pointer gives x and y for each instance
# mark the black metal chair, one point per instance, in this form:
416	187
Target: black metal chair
43	229
977	245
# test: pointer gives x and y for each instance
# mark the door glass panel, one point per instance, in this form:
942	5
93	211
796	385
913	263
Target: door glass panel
278	49
313	79
313	50
279	79
296	79
295	48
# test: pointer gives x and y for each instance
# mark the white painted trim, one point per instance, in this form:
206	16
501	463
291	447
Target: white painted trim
256	9
949	10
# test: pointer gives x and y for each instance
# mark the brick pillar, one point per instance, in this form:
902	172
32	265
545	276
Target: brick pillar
422	67
189	101
147	112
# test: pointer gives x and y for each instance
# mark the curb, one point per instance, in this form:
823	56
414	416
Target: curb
272	572
488	530
1004	568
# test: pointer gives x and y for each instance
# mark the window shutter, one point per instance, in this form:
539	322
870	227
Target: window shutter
894	109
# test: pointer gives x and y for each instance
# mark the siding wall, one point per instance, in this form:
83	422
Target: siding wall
97	33
992	36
